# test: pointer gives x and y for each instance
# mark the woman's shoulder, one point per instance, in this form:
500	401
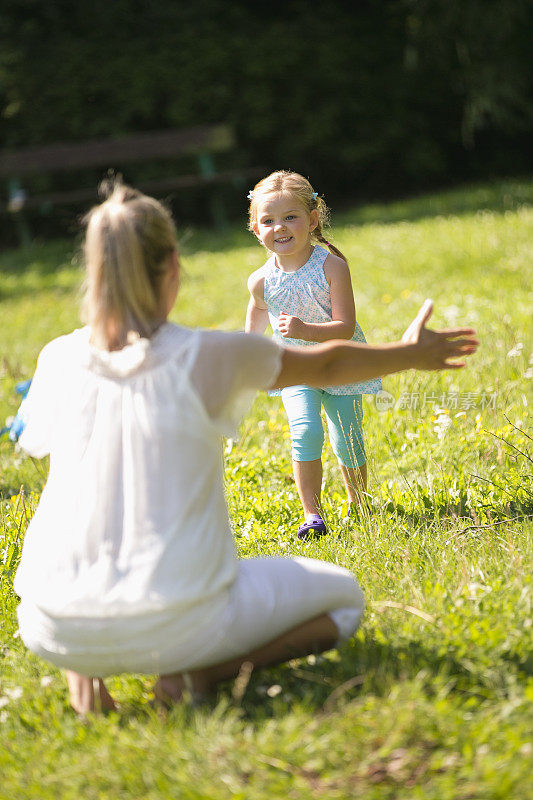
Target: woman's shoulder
62	346
208	343
219	347
172	332
173	340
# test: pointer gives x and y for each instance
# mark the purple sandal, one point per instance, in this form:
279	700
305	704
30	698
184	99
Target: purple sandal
315	527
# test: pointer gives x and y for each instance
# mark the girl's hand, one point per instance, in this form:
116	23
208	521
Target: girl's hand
434	348
290	326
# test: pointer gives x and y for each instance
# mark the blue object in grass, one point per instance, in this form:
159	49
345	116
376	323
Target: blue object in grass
18	423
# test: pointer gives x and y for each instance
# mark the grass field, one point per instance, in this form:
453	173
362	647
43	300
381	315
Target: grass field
433	697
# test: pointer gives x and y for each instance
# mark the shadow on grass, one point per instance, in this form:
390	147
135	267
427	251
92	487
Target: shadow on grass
42	258
461	513
496	197
45	258
363	669
369	668
36	269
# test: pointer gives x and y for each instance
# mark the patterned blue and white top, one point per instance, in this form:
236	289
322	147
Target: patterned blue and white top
305	294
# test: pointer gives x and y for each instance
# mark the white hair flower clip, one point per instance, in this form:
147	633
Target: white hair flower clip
315	195
250	194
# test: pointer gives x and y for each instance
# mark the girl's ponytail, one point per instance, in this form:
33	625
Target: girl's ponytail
331	247
128	239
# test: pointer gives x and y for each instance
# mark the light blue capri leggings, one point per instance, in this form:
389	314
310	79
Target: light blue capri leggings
344	415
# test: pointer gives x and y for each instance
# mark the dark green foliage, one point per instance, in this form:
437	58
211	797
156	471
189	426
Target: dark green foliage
366	97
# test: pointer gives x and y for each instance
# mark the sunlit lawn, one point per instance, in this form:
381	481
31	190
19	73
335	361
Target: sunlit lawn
433	697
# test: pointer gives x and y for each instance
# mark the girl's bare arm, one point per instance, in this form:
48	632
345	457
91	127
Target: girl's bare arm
256	312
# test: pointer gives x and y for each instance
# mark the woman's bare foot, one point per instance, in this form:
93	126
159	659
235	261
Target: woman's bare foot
171	689
314	635
88	694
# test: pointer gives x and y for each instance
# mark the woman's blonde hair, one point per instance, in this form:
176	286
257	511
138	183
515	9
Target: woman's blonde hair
127	243
300	188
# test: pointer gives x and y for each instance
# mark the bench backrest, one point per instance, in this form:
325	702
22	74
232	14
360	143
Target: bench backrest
99	152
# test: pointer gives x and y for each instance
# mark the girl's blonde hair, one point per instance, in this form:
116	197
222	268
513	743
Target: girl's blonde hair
128	240
300	188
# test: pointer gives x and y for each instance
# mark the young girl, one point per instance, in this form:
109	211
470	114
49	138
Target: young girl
306	292
129	564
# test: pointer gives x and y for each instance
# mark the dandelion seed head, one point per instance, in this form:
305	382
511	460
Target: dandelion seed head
14	694
515	351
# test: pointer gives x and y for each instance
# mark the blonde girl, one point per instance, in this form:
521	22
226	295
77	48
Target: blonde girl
129	564
305	290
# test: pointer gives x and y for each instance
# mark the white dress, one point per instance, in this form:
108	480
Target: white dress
129	561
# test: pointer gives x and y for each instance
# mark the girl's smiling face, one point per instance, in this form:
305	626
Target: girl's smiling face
284	227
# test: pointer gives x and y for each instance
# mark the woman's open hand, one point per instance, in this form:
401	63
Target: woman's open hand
434	348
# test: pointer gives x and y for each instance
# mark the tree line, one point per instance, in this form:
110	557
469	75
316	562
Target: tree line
368	98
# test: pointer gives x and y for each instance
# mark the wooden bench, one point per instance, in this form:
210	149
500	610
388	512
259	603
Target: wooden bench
201	143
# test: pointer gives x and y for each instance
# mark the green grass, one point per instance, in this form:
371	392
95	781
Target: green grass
432	699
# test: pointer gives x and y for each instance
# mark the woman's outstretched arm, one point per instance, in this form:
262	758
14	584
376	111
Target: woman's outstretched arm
338	362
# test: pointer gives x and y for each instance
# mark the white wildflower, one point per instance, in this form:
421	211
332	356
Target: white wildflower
451	314
516	350
441	424
274	690
14	694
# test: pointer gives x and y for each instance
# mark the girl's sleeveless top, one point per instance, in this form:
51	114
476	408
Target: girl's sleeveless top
305	294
